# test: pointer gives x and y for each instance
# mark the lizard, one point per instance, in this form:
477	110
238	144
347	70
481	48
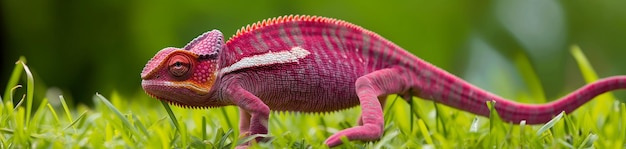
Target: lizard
314	64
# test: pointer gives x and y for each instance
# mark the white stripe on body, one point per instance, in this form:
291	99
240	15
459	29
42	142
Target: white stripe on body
269	58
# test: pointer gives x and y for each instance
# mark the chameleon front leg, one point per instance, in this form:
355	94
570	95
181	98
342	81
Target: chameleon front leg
369	88
254	114
244	123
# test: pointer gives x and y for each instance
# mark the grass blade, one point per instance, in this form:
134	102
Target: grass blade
82	115
117	113
496	128
530	76
225	114
9	131
522	132
172	116
54	113
601	103
15	77
139	124
583	64
387	114
494	117
588	142
19	103
425	132
222	142
30	90
386	139
68	113
474	125
204	136
440	119
551	123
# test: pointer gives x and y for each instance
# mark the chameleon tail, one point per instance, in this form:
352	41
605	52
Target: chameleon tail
537	113
430	82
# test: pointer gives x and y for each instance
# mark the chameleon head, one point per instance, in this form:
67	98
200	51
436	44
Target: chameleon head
184	76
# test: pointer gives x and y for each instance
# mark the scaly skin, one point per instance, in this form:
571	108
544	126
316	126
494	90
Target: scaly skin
317	64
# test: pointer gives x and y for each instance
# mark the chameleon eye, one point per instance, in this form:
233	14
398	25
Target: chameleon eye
179	65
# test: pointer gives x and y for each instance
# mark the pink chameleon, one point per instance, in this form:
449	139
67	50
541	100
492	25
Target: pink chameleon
317	64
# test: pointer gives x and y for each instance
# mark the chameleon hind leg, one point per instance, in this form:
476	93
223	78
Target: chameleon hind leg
369	88
382	100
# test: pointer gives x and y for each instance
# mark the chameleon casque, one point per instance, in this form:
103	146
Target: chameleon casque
317	64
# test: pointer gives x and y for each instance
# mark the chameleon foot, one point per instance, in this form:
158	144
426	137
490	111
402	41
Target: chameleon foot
362	133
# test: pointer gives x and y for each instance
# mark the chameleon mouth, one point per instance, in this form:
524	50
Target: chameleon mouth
177	103
171	85
164	91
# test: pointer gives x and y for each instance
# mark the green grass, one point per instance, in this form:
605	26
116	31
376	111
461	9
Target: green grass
140	122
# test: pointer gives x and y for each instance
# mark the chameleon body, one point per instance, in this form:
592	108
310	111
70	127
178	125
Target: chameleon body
318	64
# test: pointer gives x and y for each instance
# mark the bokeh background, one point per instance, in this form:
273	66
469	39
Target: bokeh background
77	48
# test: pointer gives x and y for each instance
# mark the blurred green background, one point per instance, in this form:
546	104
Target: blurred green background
77	48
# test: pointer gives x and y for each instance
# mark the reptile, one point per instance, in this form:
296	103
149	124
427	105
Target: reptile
313	64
